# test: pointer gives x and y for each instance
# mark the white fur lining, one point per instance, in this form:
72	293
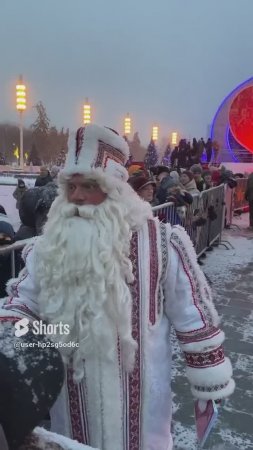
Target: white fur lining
89	152
210	376
204	345
216	395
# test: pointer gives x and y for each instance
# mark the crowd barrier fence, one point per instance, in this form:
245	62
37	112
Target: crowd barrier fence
204	219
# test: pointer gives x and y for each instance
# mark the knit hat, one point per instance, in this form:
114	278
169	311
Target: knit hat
189	174
21	183
7	229
139	182
168	182
196	168
97	147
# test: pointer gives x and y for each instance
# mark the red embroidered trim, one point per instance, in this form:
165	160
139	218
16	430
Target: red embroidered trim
105	152
202	335
207	359
193	282
153	271
79	432
79	142
135	379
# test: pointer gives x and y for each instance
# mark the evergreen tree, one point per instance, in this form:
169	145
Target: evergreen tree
166	157
34	157
136	149
151	157
40	130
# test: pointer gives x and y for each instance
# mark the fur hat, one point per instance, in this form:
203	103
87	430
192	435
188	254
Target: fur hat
196	168
189	174
139	182
168	182
97	147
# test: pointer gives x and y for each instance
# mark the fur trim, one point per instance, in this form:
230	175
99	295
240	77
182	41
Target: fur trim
210	376
95	147
215	395
203	345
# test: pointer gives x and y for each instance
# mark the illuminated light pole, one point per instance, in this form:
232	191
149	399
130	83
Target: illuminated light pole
127	125
21	107
155	131
174	138
86	112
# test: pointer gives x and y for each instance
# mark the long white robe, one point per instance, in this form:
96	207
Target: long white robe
109	409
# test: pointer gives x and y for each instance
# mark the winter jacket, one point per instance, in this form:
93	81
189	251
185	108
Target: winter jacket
191	187
42	181
249	189
18	194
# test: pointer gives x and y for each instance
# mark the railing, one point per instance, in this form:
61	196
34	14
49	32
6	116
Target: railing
204	219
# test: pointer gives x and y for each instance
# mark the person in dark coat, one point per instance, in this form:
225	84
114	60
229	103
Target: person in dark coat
6	238
19	191
43	178
249	198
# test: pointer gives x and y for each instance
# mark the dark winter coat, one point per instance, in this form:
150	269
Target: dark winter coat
34	207
249	189
42	181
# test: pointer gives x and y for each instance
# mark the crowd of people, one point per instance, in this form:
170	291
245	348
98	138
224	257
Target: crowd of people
186	153
119	279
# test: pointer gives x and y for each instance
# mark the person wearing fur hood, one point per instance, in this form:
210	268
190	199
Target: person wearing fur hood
188	182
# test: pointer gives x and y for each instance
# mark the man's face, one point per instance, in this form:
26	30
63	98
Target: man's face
83	191
208	179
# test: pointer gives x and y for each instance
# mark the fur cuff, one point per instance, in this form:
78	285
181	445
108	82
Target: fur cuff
210	376
219	392
212	382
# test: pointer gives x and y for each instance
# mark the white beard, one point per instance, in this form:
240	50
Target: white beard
83	268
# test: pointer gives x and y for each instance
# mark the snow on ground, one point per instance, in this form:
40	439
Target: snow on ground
222	261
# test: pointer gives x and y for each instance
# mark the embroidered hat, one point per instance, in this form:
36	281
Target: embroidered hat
97	147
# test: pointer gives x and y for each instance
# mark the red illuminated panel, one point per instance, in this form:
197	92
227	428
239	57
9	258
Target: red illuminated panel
241	118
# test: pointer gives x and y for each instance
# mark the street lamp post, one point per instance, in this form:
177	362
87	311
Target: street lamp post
127	125
155	131
174	138
21	107
86	112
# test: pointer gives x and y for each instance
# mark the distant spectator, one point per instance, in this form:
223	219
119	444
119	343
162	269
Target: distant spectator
209	150
207	177
201	147
160	173
188	182
6	237
216	151
144	186
249	198
196	169
19	191
175	175
43	178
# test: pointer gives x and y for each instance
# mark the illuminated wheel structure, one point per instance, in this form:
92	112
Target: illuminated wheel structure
232	126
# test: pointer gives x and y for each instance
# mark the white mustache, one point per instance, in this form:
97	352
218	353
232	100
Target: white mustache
85	211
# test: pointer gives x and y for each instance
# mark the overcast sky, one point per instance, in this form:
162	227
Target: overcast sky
169	62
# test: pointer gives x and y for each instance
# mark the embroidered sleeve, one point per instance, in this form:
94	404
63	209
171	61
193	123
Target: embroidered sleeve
189	306
22	291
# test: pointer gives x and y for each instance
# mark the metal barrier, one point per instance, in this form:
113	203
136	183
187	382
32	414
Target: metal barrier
214	208
203	220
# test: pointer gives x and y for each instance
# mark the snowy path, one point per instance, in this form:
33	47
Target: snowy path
231	274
